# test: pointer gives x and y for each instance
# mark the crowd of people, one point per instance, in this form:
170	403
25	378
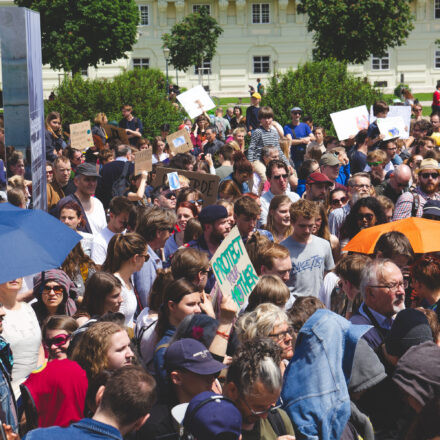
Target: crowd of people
131	337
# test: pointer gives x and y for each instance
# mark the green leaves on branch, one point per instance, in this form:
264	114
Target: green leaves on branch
319	88
82	33
78	99
193	40
353	30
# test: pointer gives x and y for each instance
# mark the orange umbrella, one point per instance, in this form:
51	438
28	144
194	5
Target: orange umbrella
423	234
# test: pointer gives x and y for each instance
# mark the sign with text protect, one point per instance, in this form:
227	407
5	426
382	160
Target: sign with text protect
207	184
81	135
349	122
116	133
180	142
143	161
233	269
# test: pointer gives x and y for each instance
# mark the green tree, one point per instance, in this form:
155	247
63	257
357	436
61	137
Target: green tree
81	33
319	88
193	40
352	30
78	99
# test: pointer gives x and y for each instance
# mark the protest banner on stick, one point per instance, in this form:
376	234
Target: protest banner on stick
349	122
81	135
116	133
195	101
233	269
179	142
143	161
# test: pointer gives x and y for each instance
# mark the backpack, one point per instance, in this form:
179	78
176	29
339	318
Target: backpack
121	184
415	203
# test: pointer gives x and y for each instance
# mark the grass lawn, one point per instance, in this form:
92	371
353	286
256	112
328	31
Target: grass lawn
419	96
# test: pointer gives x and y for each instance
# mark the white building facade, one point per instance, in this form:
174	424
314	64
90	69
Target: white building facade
263	36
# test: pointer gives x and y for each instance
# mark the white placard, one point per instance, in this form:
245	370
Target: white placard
404	111
195	101
391	127
349	122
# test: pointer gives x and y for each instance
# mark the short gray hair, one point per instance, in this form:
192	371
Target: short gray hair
265	151
372	274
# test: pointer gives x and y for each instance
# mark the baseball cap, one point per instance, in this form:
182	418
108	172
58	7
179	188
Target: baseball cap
296	109
86	169
211	213
318	178
432	207
256	95
193	356
329	159
428	164
209	415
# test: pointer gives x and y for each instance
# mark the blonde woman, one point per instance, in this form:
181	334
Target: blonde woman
98	129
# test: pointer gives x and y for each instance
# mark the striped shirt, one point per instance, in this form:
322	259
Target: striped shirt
264	138
404	204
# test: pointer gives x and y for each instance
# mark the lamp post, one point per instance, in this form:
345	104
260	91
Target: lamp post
166	54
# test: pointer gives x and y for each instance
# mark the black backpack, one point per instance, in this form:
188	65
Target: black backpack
121	184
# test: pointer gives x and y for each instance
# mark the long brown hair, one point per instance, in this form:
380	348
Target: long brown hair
77	261
275	203
323	231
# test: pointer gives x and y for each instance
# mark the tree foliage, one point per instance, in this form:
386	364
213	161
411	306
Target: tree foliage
352	30
81	33
319	88
193	40
78	99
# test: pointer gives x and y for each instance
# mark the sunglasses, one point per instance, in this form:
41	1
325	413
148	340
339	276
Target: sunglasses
339	201
196	202
374	164
58	290
428	175
57	340
49	172
169	195
369	217
284	176
296	113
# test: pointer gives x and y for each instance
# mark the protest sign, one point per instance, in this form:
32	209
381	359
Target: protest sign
391	127
349	122
195	101
233	269
404	111
116	133
143	161
173	181
81	135
179	142
207	184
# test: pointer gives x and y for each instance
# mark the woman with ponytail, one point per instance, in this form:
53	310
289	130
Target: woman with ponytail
242	172
126	254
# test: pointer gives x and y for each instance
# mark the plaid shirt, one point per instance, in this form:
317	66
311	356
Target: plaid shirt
404	204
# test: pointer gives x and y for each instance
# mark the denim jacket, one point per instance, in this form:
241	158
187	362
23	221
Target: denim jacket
315	393
85	429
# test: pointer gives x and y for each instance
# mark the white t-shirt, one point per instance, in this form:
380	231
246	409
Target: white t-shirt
100	244
96	218
22	331
329	283
129	303
162	157
146	324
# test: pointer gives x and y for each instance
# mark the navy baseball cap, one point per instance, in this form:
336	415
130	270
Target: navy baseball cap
211	213
209	414
193	356
432	207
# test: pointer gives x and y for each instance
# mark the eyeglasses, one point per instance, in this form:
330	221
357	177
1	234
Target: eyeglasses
262	413
196	202
296	113
284	176
394	286
280	336
369	217
374	164
146	257
169	194
58	290
339	201
428	175
58	340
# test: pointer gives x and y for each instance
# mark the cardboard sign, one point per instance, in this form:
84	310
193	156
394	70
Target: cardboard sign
173	181
143	161
196	101
207	184
233	269
180	142
81	135
349	122
404	111
116	133
391	127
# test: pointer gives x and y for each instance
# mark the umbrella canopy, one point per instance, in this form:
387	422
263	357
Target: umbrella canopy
31	241
423	234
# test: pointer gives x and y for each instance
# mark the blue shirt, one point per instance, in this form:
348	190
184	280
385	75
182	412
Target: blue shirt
302	130
83	430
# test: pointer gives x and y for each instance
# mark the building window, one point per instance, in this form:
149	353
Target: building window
141	63
204	70
198	8
380	63
437	59
437	9
261	64
260	13
143	15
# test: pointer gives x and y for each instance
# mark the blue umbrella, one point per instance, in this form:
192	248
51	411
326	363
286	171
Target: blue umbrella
31	241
